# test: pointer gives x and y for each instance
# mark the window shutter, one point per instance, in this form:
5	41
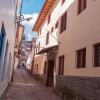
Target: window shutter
81	58
63	22
61	65
47	38
97	55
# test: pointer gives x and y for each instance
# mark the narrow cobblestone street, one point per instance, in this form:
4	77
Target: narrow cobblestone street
25	87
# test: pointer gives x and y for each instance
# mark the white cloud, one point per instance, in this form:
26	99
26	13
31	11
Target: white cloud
32	21
29	34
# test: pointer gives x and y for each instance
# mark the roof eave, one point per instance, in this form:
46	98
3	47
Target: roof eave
43	13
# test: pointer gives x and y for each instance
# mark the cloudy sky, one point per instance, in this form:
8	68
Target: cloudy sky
31	8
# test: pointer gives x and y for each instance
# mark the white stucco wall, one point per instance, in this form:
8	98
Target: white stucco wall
45	28
82	31
56	12
7	16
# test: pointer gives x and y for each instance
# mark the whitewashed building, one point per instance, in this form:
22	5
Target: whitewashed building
8	11
69	47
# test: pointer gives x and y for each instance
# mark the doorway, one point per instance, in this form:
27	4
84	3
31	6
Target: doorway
50	73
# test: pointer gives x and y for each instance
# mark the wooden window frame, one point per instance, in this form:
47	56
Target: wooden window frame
45	67
2	40
61	65
62	1
81	58
2	37
37	68
47	38
52	29
49	18
82	5
63	22
95	55
57	24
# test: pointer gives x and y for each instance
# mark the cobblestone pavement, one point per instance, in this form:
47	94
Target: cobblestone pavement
25	87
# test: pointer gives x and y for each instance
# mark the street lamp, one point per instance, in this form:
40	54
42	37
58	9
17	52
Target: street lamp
21	18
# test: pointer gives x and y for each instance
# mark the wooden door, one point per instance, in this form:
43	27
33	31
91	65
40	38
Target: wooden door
50	74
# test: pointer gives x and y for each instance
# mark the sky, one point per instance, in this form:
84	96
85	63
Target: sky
31	8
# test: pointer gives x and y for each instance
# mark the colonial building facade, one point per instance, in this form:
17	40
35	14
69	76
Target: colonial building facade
68	47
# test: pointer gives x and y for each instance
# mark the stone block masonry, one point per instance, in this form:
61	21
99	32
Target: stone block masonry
78	87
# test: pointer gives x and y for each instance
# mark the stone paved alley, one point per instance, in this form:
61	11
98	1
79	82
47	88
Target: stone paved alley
25	87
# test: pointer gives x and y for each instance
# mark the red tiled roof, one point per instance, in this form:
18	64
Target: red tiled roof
44	11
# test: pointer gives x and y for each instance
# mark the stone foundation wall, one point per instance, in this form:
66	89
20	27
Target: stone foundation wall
40	78
78	88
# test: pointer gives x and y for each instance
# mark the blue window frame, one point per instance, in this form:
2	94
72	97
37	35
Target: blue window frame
2	37
1	42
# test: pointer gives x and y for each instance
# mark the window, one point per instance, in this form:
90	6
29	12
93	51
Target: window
2	37
63	22
97	55
1	42
52	29
57	24
81	58
45	67
61	65
34	69
47	38
37	69
63	1
81	5
49	18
